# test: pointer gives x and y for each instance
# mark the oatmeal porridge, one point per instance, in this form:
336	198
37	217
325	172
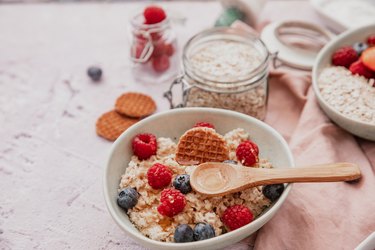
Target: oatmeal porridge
351	95
348	85
153	221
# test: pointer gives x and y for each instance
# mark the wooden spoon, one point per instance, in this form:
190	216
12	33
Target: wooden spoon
214	178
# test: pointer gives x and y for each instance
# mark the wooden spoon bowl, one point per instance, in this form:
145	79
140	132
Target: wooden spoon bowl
214	178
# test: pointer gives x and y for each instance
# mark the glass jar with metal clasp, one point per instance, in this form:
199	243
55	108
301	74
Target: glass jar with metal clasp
224	68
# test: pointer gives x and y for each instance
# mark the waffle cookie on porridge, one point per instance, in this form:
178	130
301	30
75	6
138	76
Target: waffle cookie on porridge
156	194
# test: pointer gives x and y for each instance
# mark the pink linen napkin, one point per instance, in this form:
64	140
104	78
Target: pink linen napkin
317	215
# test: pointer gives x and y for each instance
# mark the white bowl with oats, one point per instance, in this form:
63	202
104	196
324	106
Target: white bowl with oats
347	99
149	226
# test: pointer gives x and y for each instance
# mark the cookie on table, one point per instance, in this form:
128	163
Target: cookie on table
135	105
110	125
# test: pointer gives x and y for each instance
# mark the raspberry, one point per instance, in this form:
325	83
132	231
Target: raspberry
137	49
247	153
161	48
154	14
160	63
155	36
371	40
144	146
204	124
344	56
159	176
169	49
358	68
172	202
237	216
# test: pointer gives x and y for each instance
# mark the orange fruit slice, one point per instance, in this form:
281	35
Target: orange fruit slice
368	58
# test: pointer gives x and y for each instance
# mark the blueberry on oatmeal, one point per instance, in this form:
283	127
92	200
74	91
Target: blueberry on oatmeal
360	47
183	233
203	231
182	183
273	192
127	198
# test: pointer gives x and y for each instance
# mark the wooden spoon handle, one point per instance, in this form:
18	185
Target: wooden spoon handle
319	173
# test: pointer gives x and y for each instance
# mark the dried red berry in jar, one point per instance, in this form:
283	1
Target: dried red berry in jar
154	14
160	63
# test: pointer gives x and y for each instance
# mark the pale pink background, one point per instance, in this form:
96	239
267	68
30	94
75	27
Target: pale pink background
51	161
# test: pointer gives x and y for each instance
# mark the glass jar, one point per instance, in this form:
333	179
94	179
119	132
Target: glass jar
153	50
224	68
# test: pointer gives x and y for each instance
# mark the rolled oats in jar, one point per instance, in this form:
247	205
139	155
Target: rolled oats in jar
225	68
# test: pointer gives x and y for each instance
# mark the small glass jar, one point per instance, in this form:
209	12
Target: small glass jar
224	68
153	50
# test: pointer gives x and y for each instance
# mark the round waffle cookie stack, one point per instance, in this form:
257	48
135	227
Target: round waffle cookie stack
130	108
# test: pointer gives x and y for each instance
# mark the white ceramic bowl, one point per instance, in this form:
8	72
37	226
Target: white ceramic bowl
173	124
359	128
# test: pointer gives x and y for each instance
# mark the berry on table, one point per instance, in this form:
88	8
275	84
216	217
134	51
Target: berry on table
204	124
273	192
237	216
144	146
183	233
127	198
172	202
368	58
95	73
159	176
160	63
358	68
247	153
360	47
203	231
182	183
154	14
371	40
344	56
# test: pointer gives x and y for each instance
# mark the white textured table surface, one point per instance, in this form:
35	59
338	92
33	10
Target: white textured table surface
51	161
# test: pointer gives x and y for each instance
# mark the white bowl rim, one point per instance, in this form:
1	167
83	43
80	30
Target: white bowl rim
210	241
324	53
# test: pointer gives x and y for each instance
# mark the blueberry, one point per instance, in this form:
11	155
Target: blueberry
203	231
182	183
183	233
273	192
127	198
95	73
360	47
230	162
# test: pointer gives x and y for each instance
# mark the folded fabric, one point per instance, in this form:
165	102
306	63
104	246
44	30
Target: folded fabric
316	215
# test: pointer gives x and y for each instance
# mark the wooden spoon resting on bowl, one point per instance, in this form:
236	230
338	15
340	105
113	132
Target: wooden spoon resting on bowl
214	178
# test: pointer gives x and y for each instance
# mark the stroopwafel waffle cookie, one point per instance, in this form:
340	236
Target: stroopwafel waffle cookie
199	145
135	105
111	125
